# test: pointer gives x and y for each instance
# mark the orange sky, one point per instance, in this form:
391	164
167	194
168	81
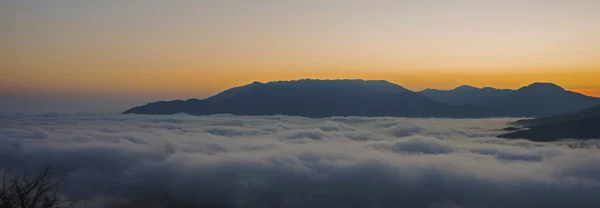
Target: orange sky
197	48
196	83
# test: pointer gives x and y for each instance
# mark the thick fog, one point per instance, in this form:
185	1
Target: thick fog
280	161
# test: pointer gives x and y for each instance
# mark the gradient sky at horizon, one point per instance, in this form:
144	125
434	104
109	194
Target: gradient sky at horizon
145	50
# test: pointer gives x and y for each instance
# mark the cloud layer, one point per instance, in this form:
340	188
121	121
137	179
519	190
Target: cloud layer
280	161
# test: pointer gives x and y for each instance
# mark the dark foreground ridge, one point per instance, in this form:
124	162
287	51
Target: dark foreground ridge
583	124
326	98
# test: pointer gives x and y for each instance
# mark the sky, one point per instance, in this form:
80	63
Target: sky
110	54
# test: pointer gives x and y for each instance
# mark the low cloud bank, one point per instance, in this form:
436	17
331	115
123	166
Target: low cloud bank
280	161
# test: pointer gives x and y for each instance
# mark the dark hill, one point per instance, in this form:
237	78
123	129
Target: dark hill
578	129
316	98
325	98
587	113
539	100
465	95
583	124
535	100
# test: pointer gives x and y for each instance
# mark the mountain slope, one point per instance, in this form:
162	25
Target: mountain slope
587	113
316	98
578	129
583	124
324	98
540	99
465	94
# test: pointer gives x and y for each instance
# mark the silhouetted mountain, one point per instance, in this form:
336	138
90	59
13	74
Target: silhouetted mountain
583	124
353	86
466	88
540	99
465	95
592	112
511	128
535	100
579	129
316	98
324	98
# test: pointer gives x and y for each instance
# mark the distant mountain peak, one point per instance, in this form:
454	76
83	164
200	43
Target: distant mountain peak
356	97
543	84
543	87
366	84
466	87
328	80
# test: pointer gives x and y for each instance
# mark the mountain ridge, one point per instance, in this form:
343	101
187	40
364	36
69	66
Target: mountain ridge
541	99
356	97
465	94
315	98
582	124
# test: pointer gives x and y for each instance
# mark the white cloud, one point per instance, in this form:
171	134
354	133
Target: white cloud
280	161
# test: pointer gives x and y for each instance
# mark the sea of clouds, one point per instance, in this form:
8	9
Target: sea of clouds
281	161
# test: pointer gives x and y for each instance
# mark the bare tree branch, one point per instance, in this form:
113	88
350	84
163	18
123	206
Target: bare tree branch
20	191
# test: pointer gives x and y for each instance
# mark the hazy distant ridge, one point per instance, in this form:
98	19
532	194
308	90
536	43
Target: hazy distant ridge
325	98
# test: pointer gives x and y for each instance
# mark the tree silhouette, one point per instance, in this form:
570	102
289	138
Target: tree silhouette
41	191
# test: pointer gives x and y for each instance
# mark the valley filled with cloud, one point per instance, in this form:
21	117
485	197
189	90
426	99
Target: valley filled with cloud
282	161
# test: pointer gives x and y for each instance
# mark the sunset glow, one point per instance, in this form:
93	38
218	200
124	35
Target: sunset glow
187	49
